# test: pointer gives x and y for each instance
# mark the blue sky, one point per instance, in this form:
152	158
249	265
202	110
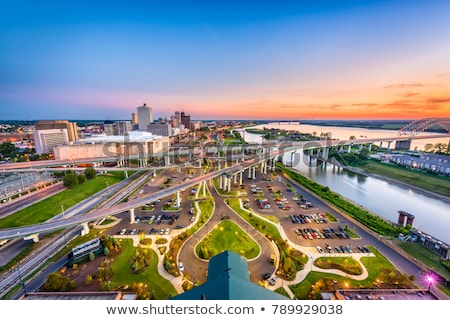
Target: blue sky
225	59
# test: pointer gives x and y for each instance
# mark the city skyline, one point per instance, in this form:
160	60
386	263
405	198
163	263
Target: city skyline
262	60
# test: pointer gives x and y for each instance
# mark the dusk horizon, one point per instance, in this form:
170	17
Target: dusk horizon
287	61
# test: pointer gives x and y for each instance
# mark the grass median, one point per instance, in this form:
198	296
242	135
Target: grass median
50	207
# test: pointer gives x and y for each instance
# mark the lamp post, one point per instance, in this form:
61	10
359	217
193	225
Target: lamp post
430	279
62	209
21	281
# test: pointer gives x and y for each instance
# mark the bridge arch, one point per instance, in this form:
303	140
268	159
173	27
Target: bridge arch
423	124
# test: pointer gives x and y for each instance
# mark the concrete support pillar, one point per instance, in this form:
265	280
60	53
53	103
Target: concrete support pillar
132	218
220	182
167	160
254	172
178	200
34	237
265	167
326	153
250	172
370	147
261	169
225	183
349	148
85	229
360	147
126	174
389	145
235	178
341	149
204	188
229	184
381	144
240	177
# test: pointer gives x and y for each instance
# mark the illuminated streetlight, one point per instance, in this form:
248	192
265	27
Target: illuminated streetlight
430	279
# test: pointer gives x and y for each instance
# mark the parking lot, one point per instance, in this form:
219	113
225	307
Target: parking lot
161	217
302	216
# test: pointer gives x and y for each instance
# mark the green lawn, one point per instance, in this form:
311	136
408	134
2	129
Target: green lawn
425	255
49	207
160	288
228	236
379	268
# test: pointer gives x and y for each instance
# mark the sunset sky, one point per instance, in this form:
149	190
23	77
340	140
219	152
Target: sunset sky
287	60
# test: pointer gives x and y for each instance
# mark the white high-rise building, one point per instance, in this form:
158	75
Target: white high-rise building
145	117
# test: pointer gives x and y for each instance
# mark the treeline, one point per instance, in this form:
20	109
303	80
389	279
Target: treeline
71	179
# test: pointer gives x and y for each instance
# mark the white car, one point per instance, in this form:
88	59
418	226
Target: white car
273	280
181	266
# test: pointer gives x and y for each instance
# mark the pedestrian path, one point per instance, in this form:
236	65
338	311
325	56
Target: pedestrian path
311	252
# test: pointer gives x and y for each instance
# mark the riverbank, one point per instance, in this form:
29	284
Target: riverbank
426	192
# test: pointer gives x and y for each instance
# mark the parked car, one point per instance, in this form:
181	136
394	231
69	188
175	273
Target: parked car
273	280
266	276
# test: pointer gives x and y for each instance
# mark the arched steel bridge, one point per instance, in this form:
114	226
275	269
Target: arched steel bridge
423	124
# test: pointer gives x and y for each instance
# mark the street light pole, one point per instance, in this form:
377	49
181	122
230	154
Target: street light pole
21	281
62	209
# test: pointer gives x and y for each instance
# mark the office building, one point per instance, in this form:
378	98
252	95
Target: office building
176	119
185	120
71	127
160	129
145	117
117	128
46	140
134	118
135	144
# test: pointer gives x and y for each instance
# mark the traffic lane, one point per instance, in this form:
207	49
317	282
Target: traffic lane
259	265
11	249
25	201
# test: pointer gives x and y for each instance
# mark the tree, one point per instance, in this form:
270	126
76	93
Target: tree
364	154
428	147
352	138
70	180
58	282
81	178
91	256
441	147
90	173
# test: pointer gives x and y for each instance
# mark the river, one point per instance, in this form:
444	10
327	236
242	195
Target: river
432	215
